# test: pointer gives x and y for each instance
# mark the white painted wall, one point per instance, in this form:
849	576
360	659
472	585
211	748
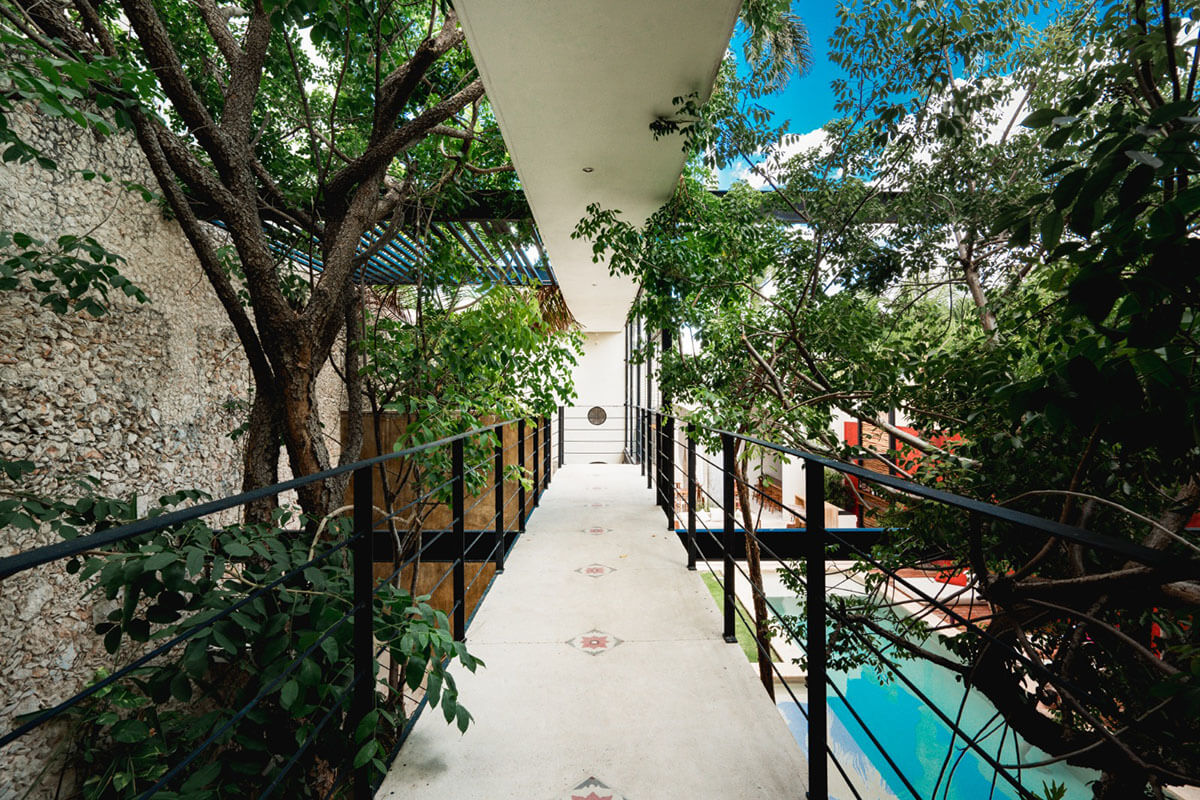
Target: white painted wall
599	381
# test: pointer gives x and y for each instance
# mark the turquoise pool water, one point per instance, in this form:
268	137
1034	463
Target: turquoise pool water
917	740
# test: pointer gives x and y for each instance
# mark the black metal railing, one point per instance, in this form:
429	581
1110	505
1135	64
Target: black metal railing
653	443
369	540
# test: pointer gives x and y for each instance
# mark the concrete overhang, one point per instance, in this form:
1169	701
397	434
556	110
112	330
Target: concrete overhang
575	85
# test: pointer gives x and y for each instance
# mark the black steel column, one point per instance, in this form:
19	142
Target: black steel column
649	408
691	497
669	474
562	428
458	507
637	404
363	701
536	452
499	521
659	465
521	472
627	445
651	464
546	461
814	577
666	439
727	539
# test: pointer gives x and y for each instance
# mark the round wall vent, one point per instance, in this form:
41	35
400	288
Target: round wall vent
597	415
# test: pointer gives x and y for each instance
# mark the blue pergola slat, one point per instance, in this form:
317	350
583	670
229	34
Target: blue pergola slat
499	259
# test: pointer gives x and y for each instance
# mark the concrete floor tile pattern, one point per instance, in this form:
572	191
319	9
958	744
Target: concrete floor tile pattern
606	674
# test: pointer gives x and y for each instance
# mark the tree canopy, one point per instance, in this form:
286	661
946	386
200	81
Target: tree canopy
300	125
996	239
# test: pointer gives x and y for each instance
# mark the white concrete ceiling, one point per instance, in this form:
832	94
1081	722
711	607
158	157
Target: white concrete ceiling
575	84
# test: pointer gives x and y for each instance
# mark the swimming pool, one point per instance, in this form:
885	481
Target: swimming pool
917	740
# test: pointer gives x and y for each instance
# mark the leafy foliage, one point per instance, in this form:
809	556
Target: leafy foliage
445	355
1021	287
76	272
263	668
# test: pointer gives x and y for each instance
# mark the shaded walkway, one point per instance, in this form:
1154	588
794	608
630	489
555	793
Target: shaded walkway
605	661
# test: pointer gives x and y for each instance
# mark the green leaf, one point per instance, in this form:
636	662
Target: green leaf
112	639
414	672
1142	157
1068	188
1051	229
366	726
238	549
309	672
195	659
195	560
288	694
433	687
181	687
130	731
158	561
366	753
202	777
1041	118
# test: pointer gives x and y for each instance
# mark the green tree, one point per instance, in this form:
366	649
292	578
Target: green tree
444	356
1025	286
306	123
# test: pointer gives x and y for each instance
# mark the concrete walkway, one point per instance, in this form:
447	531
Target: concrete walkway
606	674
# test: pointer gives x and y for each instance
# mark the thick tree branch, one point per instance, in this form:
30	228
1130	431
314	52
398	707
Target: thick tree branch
164	60
1150	657
218	27
398	87
380	153
246	77
210	262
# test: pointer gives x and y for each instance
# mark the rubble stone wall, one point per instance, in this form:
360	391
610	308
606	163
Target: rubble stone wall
142	399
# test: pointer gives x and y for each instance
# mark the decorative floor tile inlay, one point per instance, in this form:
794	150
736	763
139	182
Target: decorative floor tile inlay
592	789
595	570
594	642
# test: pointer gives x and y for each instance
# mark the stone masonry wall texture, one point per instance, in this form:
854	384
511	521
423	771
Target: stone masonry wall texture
137	399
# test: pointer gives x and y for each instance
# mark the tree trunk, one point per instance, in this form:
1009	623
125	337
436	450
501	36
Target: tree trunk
975	286
260	461
762	623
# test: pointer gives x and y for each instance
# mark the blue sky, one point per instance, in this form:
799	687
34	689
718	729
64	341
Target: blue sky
807	102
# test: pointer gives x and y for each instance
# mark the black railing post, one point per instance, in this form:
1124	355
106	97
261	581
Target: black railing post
546	462
814	577
727	539
660	464
521	471
643	441
691	496
458	506
658	458
499	522
650	463
536	452
632	413
669	475
628	446
562	438
364	619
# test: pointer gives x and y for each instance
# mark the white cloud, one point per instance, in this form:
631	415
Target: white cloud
779	153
